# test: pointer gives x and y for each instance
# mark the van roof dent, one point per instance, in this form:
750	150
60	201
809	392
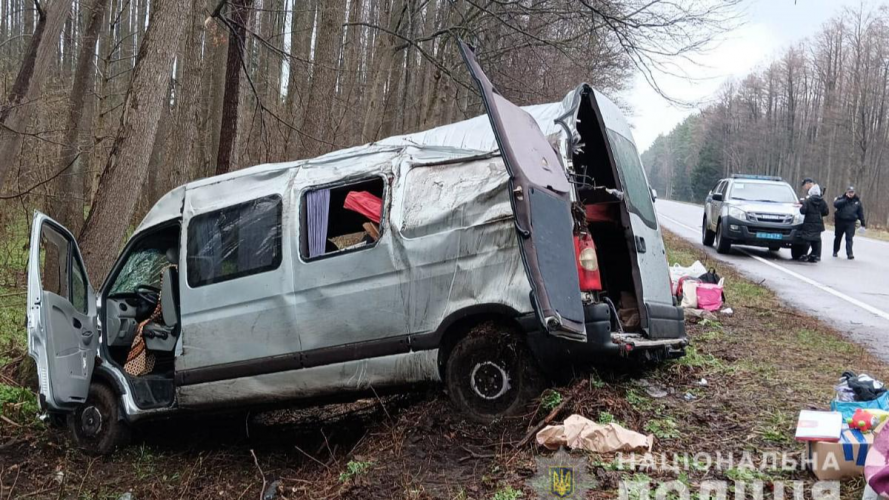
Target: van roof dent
448	142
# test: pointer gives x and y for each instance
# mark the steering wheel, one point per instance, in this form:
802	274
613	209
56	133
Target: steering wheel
149	294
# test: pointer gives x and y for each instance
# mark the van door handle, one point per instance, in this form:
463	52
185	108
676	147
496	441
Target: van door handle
640	244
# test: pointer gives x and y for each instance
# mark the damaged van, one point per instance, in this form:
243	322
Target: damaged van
486	255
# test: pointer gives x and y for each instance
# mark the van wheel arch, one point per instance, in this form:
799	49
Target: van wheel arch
458	324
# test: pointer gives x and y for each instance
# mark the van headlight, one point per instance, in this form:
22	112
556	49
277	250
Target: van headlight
737	213
798	218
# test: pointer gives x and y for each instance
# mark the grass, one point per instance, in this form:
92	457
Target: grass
18	404
550	399
664	428
606	418
354	469
507	493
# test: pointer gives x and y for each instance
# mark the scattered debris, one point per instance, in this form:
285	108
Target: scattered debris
654	390
272	491
689	397
703	382
728	311
696	315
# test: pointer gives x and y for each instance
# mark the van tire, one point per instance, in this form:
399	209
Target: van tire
707	236
96	425
723	244
491	373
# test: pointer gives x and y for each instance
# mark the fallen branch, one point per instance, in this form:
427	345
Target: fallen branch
543	423
10	422
473	454
261	474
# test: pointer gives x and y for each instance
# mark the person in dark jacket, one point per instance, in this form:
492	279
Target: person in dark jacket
848	211
814	210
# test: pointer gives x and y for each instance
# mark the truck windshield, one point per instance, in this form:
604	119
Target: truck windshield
758	191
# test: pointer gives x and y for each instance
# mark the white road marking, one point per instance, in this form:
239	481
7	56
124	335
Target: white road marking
824	288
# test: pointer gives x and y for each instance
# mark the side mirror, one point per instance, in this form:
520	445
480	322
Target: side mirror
653	195
716	197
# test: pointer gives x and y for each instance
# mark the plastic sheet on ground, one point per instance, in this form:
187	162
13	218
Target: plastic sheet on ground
579	432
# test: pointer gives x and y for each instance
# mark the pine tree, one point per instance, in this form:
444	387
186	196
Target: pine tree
707	171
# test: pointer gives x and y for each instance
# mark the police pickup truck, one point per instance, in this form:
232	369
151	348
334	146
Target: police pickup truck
755	210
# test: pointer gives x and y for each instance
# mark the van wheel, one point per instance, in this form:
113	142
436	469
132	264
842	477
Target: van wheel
707	235
491	374
723	244
96	425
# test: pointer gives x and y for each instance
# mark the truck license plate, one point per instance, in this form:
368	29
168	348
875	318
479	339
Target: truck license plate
770	236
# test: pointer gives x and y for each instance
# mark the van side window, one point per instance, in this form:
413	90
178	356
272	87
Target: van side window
234	242
633	177
341	218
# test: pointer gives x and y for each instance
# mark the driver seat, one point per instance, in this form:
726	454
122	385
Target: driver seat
162	333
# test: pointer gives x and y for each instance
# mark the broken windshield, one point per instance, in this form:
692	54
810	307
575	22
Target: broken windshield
143	267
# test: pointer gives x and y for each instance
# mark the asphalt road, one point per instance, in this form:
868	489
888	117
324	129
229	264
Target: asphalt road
850	295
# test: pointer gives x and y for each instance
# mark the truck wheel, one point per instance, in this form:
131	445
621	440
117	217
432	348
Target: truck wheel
723	244
491	374
96	425
707	235
798	250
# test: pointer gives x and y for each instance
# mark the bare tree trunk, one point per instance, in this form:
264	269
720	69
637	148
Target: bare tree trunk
68	207
321	109
383	60
302	27
182	151
228	132
127	166
213	87
34	70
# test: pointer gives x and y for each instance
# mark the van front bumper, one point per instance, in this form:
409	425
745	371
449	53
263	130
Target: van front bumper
603	343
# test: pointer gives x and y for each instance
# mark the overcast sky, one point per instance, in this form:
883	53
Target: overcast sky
769	26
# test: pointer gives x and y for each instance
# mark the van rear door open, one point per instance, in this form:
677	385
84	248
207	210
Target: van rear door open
540	193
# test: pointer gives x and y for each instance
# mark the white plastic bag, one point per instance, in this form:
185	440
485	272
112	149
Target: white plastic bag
692	271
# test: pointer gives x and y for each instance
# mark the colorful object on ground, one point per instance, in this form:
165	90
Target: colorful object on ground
867	420
365	204
863	421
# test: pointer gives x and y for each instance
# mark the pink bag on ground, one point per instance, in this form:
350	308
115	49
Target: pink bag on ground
709	296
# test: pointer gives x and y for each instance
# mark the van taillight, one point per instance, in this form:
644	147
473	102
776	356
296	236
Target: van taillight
587	263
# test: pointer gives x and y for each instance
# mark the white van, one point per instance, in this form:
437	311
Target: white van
364	270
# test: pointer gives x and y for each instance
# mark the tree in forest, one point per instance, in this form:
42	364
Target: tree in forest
68	206
127	165
708	170
34	70
234	64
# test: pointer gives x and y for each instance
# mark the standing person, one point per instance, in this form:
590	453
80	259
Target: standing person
849	210
814	210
